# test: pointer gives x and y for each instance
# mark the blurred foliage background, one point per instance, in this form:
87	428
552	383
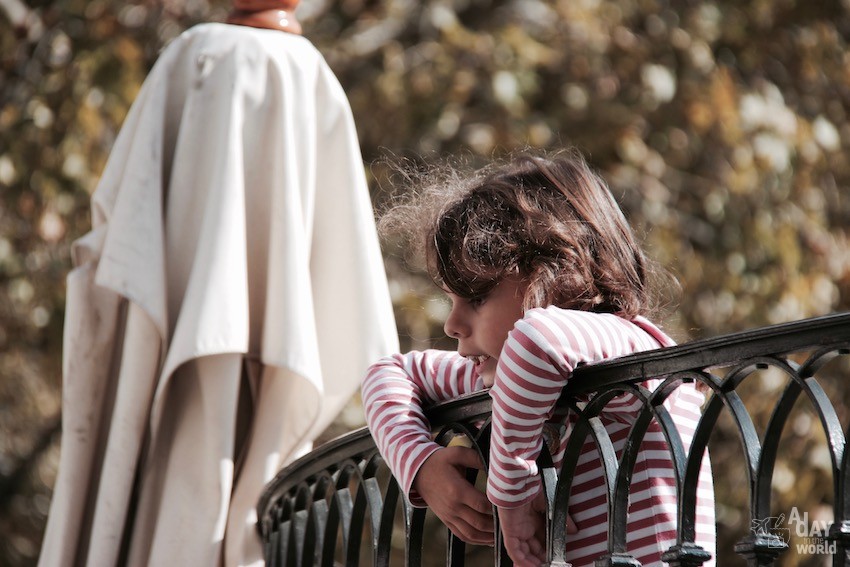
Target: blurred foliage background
722	127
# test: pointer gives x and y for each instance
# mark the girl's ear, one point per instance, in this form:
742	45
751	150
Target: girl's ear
530	295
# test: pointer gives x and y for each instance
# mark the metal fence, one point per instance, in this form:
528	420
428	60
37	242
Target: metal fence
339	505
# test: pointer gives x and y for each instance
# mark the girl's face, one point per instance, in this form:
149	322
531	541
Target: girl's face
481	326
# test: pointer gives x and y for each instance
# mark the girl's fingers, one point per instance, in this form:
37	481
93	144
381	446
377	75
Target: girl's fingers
478	514
472	527
523	553
536	549
470	535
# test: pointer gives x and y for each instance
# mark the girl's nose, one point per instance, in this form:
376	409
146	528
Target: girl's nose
455	325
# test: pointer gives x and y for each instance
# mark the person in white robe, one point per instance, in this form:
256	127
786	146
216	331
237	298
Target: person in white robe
223	308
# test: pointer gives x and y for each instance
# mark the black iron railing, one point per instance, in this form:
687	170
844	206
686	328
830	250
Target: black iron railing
339	505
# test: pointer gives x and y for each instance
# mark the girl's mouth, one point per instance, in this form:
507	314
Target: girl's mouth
478	359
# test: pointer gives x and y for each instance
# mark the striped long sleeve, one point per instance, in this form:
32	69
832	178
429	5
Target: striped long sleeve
394	392
539	355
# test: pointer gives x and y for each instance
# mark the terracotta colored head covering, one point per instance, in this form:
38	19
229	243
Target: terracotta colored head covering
269	14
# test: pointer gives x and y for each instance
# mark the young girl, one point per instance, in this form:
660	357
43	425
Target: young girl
543	273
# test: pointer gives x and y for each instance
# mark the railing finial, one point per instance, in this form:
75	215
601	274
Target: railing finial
267	14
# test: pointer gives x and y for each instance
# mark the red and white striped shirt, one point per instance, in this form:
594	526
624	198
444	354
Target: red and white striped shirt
537	359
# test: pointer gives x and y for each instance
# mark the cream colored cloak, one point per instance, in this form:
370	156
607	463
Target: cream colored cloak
223	308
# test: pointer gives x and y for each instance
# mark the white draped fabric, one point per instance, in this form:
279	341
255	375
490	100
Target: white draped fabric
223	308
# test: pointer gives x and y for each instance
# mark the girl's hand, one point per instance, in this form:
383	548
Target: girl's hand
441	482
524	532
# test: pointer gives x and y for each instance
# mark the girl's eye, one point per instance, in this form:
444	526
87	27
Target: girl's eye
476	302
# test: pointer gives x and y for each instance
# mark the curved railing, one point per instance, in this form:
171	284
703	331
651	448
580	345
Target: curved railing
339	505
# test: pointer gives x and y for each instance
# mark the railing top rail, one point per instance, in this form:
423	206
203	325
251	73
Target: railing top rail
783	338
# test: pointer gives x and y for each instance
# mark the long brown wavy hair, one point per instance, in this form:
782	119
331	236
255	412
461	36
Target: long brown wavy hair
551	221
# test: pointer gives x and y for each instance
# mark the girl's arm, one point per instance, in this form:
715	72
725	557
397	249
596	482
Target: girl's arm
394	392
537	359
